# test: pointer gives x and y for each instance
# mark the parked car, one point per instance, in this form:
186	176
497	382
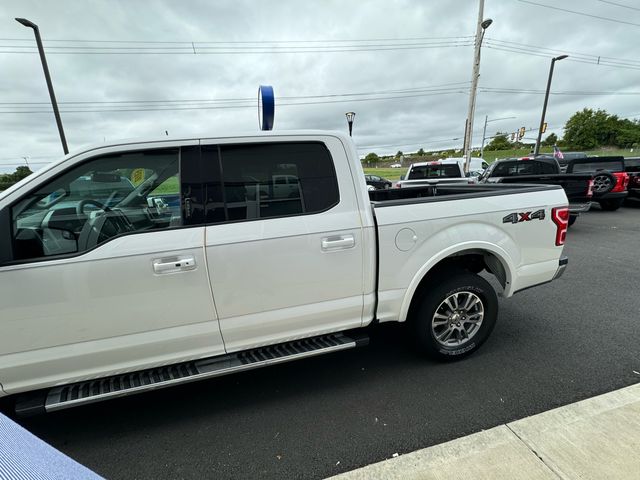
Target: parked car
632	167
378	182
246	276
610	180
450	170
396	165
543	170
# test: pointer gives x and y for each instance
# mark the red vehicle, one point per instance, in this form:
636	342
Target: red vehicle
610	180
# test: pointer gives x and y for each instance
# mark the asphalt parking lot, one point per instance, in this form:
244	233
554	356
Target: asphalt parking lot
556	344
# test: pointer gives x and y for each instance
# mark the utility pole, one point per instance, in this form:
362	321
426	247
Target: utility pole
480	29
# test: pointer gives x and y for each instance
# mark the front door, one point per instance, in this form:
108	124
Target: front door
107	274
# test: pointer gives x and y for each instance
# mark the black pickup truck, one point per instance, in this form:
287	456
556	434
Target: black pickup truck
543	170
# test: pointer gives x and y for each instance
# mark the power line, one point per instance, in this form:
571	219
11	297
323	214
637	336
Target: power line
217	107
619	5
235	42
192	48
557	51
580	13
524	51
426	88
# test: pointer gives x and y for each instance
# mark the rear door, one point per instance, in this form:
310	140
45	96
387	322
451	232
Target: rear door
282	267
110	276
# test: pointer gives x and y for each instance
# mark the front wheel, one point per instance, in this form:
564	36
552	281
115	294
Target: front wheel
611	205
455	317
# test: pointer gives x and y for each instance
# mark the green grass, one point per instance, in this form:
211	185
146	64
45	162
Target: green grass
388	173
169	186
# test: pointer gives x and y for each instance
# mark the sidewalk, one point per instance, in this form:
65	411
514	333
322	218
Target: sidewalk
593	439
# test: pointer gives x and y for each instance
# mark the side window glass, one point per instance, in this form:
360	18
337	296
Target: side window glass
276	180
96	201
547	168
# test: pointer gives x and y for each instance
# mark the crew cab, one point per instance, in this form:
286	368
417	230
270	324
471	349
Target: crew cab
104	298
450	170
543	170
610	180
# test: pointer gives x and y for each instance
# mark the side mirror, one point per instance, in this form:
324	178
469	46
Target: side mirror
402	177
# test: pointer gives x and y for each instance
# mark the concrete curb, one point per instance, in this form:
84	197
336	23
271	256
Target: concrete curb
592	439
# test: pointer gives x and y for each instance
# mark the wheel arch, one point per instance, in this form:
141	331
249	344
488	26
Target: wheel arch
472	256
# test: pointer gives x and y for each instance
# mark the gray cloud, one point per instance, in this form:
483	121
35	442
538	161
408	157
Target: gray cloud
404	124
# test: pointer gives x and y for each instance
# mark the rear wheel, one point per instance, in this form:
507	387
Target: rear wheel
455	317
572	219
611	205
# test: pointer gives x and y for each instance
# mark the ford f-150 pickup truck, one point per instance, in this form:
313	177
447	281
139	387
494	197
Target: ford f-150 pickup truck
113	291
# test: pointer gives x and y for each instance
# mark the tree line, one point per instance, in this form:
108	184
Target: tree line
8	179
587	129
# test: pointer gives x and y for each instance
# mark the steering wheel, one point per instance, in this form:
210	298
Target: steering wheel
89	201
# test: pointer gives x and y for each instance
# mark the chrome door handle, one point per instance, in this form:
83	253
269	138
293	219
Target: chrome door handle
174	264
338	242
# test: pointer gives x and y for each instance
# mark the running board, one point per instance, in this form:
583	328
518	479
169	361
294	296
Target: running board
90	391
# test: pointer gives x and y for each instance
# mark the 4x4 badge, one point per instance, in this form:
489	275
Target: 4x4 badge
523	216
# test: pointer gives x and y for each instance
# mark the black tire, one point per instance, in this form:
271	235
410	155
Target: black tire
572	219
603	182
611	205
462	285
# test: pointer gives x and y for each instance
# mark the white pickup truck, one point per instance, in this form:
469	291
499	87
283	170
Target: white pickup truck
441	172
138	265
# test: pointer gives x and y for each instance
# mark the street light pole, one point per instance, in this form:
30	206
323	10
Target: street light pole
484	131
482	26
536	151
52	95
350	116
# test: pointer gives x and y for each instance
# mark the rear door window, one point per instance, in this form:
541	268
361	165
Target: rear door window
277	180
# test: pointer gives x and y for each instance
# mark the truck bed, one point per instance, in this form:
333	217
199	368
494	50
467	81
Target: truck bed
431	193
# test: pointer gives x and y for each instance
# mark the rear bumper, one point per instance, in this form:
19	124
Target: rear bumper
611	196
579	207
562	266
634	192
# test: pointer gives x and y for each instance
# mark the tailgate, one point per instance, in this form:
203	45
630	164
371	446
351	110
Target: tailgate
576	186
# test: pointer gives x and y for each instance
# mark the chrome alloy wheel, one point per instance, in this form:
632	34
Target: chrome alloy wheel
601	183
457	319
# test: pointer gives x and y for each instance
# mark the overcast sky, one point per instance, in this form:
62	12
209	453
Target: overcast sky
417	49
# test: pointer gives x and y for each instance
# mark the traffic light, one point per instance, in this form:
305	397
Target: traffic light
521	133
544	127
513	136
